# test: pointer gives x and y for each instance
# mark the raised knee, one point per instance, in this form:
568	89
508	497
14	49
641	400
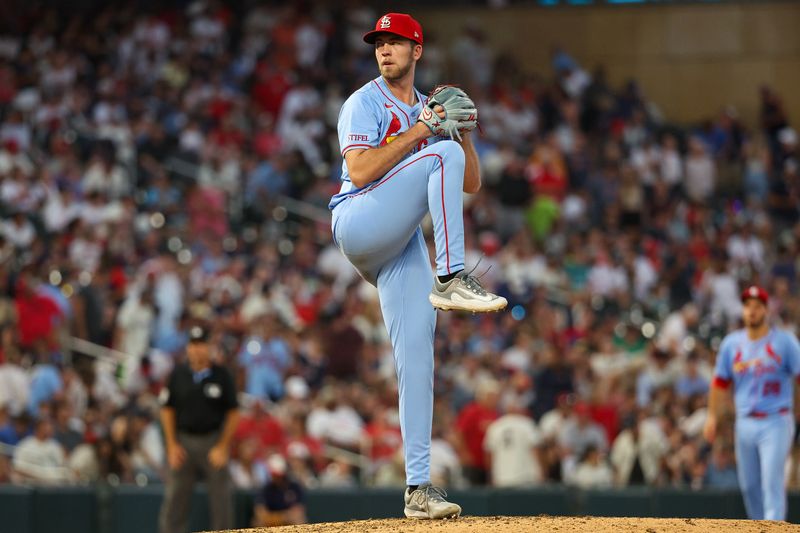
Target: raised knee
450	149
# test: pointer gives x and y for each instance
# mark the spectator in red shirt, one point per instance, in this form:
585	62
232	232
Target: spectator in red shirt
344	344
227	133
382	437
606	414
206	208
270	87
259	424
547	170
471	424
284	42
37	315
8	84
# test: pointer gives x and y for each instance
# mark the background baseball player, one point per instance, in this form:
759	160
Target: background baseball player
762	364
398	166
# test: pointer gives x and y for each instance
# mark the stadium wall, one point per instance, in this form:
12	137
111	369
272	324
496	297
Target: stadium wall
690	59
130	509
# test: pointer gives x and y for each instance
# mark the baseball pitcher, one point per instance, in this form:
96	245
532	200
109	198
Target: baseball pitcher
405	156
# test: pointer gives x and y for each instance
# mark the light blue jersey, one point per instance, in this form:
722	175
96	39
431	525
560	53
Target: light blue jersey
378	229
373	117
762	374
762	371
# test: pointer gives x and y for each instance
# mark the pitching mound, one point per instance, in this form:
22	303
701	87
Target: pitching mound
536	524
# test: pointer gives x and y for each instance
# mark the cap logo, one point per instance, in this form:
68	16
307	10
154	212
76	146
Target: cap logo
385	22
416	35
753	292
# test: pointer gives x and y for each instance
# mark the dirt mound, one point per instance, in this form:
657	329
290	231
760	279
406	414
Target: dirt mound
536	524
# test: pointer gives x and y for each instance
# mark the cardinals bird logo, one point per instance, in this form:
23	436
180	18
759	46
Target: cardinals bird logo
760	364
771	353
738	365
393	131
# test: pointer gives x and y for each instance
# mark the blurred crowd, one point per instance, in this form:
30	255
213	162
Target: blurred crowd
166	168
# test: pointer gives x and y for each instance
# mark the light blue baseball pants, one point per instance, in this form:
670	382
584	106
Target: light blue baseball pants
378	230
762	446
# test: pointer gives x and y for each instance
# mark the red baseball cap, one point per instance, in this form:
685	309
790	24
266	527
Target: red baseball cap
397	23
754	291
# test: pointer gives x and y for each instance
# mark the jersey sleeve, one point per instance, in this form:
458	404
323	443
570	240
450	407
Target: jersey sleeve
359	124
792	351
723	374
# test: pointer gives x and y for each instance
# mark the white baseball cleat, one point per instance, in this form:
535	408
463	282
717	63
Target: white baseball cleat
464	293
428	502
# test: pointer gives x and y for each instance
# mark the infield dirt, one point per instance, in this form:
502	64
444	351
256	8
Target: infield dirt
537	524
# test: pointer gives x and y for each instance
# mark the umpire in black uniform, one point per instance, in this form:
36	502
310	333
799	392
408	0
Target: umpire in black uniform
199	414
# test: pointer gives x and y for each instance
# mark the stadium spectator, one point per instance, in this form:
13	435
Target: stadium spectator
721	469
554	380
257	422
700	177
552	421
694	379
637	453
134	327
147	446
281	501
338	474
718	285
247	471
592	471
14	385
446	470
473	55
15	429
40	459
676	328
37	316
334	420
264	358
304	453
46	385
381	438
512	445
472	424
659	372
65	432
579	432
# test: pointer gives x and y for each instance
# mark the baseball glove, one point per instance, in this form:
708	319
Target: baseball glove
460	113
